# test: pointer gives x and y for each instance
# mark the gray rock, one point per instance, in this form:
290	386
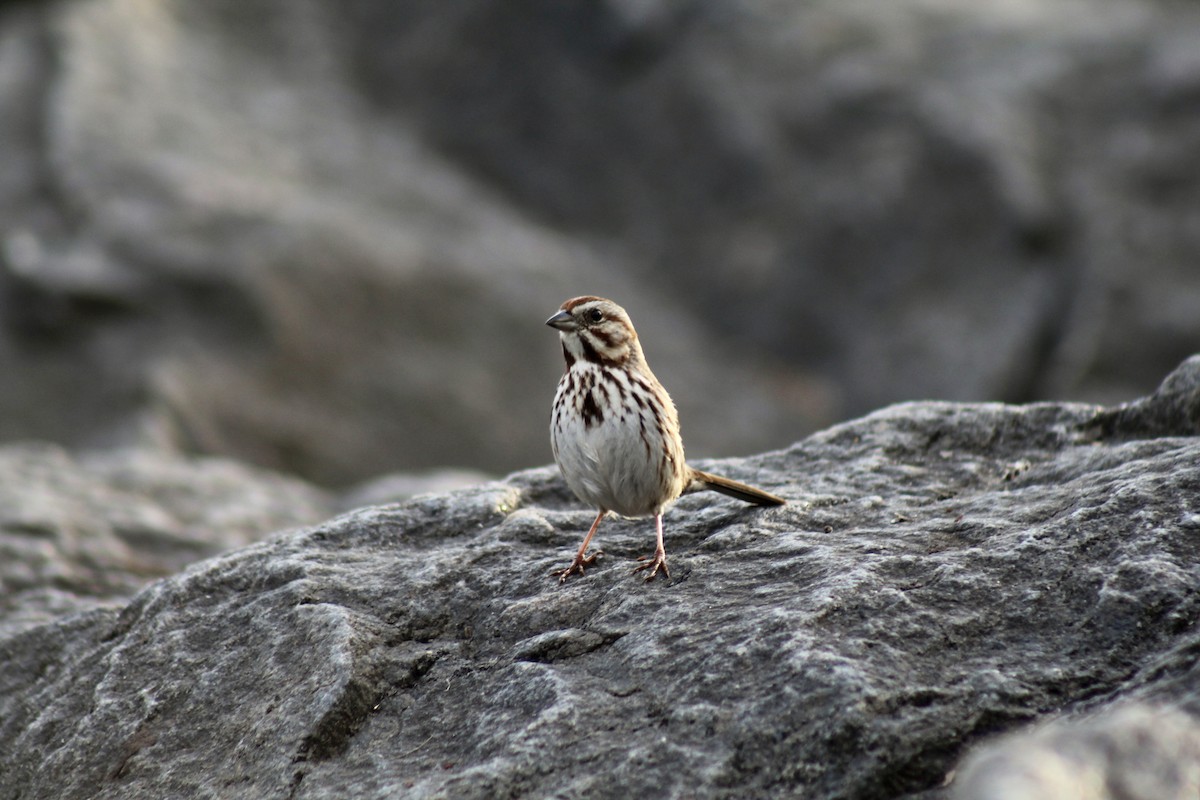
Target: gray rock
256	261
1174	410
943	573
1135	753
321	237
399	486
78	533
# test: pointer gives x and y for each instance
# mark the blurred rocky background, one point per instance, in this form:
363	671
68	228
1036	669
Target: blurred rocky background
264	261
322	237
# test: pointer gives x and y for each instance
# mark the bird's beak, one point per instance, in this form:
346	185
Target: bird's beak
562	321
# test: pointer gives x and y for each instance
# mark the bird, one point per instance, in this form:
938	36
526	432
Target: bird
614	430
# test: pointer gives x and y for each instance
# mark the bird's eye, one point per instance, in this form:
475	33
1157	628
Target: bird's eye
594	315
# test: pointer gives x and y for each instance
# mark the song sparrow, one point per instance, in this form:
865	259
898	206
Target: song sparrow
615	431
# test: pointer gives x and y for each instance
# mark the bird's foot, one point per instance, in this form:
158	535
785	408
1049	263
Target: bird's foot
654	563
577	564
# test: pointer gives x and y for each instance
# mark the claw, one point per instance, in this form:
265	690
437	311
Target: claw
577	564
654	563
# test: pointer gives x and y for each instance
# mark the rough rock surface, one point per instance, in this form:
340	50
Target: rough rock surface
943	573
321	237
86	532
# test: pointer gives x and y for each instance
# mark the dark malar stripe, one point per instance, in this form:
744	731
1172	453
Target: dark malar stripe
590	353
588	340
570	359
604	335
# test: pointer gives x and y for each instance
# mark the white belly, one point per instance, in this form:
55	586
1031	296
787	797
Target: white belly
617	460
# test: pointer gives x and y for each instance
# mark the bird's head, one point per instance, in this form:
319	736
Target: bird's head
596	330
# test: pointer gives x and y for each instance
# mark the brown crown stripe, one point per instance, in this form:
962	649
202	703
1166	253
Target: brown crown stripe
575	302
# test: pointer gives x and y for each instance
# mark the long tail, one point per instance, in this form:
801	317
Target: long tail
743	492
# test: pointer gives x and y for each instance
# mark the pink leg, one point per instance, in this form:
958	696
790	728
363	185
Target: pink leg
659	559
580	561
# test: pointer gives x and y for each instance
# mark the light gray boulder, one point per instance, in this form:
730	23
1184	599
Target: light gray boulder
1136	752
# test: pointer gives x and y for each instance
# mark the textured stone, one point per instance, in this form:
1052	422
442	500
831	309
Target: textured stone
943	573
87	532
